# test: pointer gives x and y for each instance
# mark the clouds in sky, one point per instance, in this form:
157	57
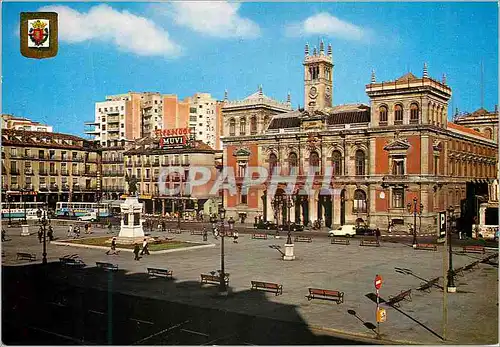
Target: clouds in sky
211	18
129	32
325	24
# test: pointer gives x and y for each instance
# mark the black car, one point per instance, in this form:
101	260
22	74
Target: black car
266	225
293	227
365	230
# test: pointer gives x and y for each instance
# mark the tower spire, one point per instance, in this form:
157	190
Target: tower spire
425	70
373	76
260	89
321	47
225	95
330	49
306	49
444	79
314	51
289	98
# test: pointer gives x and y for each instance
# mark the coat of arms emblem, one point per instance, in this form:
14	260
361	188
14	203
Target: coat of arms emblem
38	33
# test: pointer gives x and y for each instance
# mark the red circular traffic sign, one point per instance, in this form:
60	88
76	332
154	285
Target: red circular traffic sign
378	282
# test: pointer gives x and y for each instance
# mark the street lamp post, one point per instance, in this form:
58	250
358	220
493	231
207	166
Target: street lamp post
451	273
42	219
24	204
8	203
289	204
222	283
409	207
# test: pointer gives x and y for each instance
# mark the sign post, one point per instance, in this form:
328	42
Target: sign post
441	227
380	314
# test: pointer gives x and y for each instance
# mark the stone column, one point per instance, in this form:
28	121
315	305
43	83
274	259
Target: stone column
162	207
270	211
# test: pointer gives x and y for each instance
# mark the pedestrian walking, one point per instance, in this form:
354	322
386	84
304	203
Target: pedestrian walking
389	230
136	251
377	235
235	236
3	235
162	225
145	247
216	233
205	234
50	233
40	234
113	247
70	230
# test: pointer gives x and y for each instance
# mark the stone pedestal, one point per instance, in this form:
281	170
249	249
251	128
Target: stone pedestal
289	252
131	224
24	230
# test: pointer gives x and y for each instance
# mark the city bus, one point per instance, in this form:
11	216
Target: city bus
78	209
16	210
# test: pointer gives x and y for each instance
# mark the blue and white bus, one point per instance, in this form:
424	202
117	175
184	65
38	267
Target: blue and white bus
78	209
15	210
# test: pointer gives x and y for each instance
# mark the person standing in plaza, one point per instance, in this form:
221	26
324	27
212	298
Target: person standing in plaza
113	247
3	235
377	235
145	247
70	230
136	251
235	236
50	233
205	234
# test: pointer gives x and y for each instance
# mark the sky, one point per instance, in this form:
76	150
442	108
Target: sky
187	47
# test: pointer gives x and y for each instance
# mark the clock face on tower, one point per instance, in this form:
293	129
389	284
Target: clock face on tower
313	92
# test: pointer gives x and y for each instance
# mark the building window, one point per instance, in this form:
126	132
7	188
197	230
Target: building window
253	125
13	152
414	113
266	121
292	163
337	163
488	133
232	127
243	126
382	115
314	162
398	114
244	196
360	162
398	197
41	154
359	201
398	166
273	161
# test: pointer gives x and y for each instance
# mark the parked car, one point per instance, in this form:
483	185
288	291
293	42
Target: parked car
344	230
92	217
266	225
293	227
365	230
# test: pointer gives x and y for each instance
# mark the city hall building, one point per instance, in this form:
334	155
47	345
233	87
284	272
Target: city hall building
398	149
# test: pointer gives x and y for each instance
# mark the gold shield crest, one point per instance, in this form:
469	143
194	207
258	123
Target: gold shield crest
38	34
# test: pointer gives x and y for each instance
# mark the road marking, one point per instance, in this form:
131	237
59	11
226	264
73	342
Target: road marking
161	332
195	332
141	321
78	341
97	312
56	303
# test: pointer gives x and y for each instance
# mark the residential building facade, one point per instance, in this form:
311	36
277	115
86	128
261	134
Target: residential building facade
21	123
204	115
50	166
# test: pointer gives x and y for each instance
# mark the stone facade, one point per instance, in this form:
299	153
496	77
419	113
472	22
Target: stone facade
381	156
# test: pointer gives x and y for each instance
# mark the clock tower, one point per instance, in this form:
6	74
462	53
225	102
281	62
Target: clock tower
318	78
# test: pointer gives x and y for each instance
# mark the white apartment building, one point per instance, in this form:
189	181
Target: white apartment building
21	123
203	116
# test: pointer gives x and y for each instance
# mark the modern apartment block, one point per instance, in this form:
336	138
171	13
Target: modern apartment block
204	116
134	115
21	123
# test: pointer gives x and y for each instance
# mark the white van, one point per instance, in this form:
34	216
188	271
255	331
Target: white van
91	217
344	230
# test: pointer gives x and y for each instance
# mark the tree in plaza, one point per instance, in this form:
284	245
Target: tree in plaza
132	185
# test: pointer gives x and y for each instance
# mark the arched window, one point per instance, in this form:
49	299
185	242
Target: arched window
314	162
243	126
232	127
359	201
292	163
414	113
253	125
382	115
488	133
337	163
360	162
273	161
398	114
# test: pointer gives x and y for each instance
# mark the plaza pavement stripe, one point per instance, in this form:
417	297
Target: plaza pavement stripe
361	337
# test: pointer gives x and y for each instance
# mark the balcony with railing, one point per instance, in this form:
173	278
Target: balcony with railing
113	129
14	186
113	119
14	171
76	173
43	187
64	187
28	172
156	163
119	189
54	187
76	187
28	187
53	172
112	160
64	172
42	172
129	163
90	173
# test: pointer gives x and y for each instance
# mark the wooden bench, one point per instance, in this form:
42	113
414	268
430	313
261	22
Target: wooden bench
213	279
426	246
259	236
72	262
325	294
340	241
459	271
372	243
106	266
268	286
471	265
196	232
24	255
303	239
159	272
404	295
426	286
473	249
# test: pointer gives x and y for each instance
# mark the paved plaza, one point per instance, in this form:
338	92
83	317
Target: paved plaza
472	311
